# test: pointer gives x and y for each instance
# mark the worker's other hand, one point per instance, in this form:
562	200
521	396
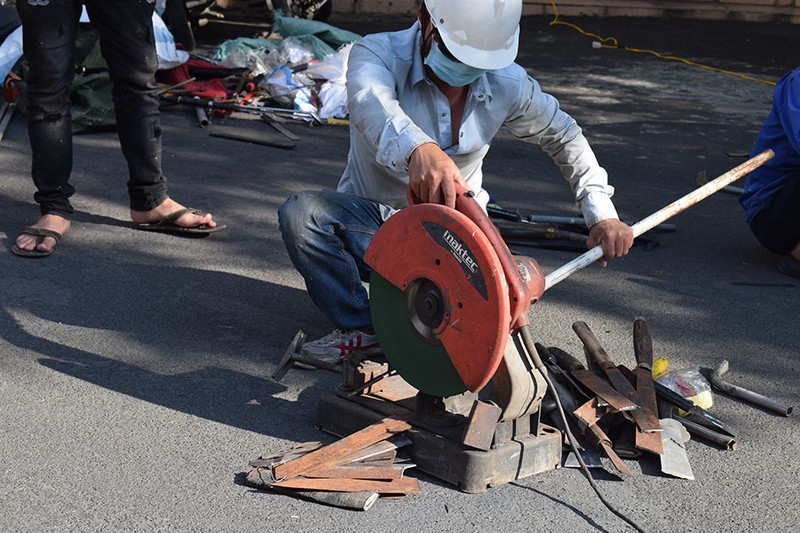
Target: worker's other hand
432	175
615	236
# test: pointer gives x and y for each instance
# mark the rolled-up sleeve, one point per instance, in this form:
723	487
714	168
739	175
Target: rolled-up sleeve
375	110
538	119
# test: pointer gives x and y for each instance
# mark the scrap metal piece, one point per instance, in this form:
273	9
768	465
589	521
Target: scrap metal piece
750	396
251	138
674	460
604	390
479	430
291	356
590	414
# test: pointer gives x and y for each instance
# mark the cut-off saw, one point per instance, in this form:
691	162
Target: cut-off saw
450	303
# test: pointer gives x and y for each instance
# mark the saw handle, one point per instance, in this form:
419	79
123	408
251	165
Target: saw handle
593	345
518	290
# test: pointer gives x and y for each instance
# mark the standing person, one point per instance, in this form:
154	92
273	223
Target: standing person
424	105
128	46
771	197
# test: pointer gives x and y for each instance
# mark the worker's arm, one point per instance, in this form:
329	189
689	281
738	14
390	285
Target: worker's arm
400	145
538	119
375	109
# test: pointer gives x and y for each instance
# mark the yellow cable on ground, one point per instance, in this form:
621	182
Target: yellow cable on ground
611	42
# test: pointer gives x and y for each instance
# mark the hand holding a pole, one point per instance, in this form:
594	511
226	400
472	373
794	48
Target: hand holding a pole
663	214
614	236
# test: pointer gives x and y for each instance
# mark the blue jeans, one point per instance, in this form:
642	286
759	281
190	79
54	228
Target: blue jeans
326	234
128	46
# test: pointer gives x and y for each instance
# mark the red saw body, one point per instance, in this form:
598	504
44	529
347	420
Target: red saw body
445	293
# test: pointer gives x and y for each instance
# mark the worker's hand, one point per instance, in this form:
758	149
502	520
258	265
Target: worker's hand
432	175
615	236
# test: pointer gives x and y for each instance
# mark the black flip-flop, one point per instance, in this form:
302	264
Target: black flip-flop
38	232
168	225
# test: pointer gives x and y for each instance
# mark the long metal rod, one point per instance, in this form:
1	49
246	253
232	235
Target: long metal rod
745	394
663	214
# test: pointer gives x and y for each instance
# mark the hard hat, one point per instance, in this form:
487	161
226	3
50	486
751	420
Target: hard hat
480	33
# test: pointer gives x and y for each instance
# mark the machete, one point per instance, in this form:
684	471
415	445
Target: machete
645	419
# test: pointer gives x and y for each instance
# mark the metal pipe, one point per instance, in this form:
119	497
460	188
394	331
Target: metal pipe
202	117
661	215
748	395
723	441
253	109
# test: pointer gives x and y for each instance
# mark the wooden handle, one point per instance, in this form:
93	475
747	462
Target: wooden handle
642	343
592	345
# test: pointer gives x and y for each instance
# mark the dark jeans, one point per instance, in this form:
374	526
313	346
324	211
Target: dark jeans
128	46
777	225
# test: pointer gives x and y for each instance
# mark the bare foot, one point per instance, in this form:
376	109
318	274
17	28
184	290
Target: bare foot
168	207
43	244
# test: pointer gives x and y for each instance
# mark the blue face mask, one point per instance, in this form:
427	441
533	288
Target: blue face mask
453	73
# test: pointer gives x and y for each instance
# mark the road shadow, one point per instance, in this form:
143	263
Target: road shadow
204	343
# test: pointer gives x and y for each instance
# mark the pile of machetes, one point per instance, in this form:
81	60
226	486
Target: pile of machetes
623	412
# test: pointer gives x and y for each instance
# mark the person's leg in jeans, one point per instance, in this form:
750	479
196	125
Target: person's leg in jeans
326	234
128	46
49	47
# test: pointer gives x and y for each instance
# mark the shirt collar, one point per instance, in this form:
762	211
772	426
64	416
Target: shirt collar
417	65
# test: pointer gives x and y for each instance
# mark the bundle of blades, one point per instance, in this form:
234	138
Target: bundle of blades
645	412
585	418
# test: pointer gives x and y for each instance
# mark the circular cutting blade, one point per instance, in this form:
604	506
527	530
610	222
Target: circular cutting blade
417	354
439	299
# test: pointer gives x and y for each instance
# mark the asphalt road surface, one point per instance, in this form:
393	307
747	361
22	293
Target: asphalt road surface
135	367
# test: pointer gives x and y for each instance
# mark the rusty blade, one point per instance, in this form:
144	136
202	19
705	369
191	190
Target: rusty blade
590	414
643	348
601	388
618	463
645	419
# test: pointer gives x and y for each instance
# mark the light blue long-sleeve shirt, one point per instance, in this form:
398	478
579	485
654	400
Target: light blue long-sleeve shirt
394	108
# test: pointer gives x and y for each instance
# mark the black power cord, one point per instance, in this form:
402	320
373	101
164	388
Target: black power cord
533	349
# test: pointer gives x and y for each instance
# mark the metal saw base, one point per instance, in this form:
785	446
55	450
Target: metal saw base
471	470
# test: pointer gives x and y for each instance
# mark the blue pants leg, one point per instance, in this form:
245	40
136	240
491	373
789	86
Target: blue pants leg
326	234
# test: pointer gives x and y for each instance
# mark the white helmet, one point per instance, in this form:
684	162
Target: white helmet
480	33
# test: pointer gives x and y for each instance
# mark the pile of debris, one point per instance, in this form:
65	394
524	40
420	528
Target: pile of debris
350	473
